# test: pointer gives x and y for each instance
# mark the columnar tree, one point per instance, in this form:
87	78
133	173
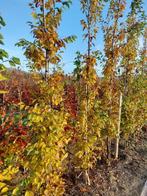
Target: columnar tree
133	78
113	38
88	123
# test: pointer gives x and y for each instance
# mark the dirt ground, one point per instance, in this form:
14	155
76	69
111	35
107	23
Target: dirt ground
123	178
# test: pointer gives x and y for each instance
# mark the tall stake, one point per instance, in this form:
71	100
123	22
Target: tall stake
118	131
87	73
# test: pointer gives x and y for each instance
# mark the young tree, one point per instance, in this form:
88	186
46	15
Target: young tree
133	79
113	38
88	123
45	50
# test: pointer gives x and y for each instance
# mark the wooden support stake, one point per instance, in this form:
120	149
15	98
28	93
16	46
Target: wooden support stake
87	179
118	131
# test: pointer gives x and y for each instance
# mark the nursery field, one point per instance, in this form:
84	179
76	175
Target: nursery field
82	133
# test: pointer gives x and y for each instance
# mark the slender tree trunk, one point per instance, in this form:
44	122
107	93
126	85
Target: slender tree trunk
46	51
87	179
144	52
118	131
87	86
112	80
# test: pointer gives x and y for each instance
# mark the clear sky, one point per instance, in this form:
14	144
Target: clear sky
16	13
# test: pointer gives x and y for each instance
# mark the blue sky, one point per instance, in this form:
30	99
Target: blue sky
16	14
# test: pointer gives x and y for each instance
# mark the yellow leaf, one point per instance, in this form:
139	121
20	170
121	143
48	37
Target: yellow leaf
21	105
4	190
3	92
2	185
34	15
29	193
15	191
1	177
2	77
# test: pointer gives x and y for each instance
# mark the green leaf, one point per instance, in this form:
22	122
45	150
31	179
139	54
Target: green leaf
23	43
2	67
67	3
2	22
3	54
1	42
12	63
16	60
70	39
1	39
1	36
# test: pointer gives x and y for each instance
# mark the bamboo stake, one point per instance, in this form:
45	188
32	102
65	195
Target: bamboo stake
118	131
87	178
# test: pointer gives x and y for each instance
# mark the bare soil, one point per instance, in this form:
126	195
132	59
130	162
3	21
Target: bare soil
126	177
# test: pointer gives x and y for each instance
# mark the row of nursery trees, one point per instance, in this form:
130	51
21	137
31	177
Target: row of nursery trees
106	110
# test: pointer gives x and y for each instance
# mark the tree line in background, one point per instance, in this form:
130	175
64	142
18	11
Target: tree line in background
52	124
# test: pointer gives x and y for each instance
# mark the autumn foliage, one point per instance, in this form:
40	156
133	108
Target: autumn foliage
52	124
